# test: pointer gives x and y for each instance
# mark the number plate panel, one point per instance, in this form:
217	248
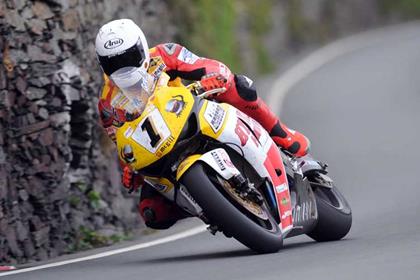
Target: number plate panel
144	137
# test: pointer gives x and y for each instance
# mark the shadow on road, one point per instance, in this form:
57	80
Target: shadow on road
225	254
204	256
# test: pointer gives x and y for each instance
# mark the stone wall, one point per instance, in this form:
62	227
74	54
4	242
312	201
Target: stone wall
59	190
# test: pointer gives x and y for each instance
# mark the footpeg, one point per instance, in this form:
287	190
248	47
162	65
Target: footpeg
213	229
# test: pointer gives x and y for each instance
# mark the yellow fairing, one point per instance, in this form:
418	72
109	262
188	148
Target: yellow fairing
185	164
155	132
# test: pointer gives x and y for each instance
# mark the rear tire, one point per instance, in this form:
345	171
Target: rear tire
230	219
334	215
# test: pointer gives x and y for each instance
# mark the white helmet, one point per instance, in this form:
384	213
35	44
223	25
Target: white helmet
123	54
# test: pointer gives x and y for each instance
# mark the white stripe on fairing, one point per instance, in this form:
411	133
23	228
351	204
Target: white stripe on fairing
187	233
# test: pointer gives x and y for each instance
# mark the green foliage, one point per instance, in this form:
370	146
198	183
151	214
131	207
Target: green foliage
296	22
302	30
74	201
92	238
81	186
260	22
94	198
209	28
407	8
88	239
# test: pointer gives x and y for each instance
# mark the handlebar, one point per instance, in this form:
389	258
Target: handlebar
198	90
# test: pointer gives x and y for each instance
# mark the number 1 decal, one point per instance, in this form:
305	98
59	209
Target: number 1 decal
151	132
153	135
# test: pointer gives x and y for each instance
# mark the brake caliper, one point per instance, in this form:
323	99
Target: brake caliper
246	189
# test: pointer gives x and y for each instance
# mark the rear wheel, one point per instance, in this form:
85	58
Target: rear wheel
250	224
334	213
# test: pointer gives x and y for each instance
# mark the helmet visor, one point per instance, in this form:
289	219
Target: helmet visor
133	56
136	84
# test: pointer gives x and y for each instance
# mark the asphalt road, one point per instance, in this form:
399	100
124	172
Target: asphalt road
361	112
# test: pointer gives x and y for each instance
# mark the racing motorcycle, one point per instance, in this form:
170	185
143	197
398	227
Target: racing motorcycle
220	165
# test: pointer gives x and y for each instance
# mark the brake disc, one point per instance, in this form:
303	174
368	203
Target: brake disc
249	205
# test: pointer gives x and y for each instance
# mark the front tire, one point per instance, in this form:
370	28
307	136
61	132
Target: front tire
233	221
334	215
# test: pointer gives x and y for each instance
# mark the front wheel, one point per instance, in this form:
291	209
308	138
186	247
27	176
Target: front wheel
334	214
221	208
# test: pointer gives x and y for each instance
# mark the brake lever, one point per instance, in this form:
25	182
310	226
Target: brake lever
198	90
211	92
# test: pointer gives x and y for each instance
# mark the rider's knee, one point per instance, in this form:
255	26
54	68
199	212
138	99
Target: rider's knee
157	212
245	88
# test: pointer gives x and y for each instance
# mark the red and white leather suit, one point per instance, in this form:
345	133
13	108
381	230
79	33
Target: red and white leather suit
240	92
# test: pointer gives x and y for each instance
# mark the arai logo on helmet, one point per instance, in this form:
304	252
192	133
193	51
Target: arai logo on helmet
113	43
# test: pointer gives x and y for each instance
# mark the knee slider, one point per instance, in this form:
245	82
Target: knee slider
246	88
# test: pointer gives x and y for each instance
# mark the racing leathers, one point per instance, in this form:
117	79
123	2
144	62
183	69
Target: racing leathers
179	63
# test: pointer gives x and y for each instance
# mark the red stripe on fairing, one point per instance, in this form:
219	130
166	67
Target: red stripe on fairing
273	162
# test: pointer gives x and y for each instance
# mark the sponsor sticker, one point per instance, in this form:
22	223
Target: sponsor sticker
281	188
286	214
122	102
187	56
214	115
157	73
218	160
154	61
164	146
113	43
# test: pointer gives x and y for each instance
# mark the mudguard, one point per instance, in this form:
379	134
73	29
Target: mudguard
307	164
217	159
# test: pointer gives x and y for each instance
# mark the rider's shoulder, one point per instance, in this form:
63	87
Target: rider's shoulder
167	49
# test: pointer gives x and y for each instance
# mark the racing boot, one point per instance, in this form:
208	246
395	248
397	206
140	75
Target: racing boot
293	141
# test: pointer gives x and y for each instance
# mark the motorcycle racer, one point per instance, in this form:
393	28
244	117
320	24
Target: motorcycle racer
130	70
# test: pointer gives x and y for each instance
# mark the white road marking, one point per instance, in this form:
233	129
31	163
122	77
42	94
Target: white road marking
324	55
184	234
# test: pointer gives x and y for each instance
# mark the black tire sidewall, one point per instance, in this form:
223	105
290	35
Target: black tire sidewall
223	213
333	223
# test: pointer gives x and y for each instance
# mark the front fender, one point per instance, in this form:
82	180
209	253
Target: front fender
186	164
217	159
308	164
